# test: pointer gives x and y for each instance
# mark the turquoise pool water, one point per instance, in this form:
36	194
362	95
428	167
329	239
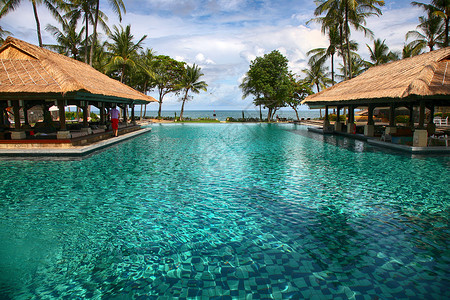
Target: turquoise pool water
227	211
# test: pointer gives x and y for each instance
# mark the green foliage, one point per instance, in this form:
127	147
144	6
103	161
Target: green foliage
402	119
231	120
190	82
94	117
333	117
71	115
268	80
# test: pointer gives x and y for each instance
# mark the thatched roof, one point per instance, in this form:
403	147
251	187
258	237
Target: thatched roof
425	76
29	71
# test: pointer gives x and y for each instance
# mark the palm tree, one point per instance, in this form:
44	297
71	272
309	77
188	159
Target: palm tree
123	50
117	6
84	9
2	34
380	53
190	83
440	8
408	51
325	53
430	34
354	13
317	75
69	40
358	65
146	61
11	5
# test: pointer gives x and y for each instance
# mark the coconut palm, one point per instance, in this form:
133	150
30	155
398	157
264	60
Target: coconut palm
440	8
145	73
2	34
84	9
118	6
190	82
69	40
429	34
354	13
329	52
123	51
380	53
317	75
11	5
408	51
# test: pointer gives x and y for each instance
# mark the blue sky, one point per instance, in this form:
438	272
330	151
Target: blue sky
223	36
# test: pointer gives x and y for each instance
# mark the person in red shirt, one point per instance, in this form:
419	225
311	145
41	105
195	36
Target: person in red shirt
114	120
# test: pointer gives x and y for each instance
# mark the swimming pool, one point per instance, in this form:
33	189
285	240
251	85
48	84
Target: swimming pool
250	211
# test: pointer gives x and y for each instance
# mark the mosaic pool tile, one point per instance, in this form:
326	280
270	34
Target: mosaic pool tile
270	213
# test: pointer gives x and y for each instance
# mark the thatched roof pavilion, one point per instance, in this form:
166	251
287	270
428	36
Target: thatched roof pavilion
422	77
421	81
30	75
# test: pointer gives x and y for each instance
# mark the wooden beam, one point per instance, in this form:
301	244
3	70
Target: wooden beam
62	114
16	109
422	114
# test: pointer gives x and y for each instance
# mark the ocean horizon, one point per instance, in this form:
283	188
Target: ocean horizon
222	115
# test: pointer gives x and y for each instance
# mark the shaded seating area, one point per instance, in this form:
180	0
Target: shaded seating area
409	91
35	81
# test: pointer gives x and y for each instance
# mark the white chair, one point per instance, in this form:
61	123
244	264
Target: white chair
437	121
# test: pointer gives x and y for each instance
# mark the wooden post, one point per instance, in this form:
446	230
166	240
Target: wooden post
392	115
62	114
85	114
411	115
430	121
2	116
25	114
326	112
338	109
125	114
370	116
132	115
422	114
16	109
102	113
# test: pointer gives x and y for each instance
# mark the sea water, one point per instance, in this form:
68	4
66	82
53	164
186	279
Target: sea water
222	115
227	211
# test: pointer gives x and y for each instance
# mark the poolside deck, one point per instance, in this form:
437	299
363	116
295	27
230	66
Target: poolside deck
65	149
375	141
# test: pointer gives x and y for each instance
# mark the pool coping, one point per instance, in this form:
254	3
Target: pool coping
75	151
375	142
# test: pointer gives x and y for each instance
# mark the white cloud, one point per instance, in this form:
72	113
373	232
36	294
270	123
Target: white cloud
224	36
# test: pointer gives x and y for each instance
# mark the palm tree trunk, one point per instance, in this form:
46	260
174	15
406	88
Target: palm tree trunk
145	110
332	69
140	116
182	105
446	32
94	35
38	24
86	20
347	38
182	110
260	113
344	60
122	74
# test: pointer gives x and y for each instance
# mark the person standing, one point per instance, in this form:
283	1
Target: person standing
114	120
